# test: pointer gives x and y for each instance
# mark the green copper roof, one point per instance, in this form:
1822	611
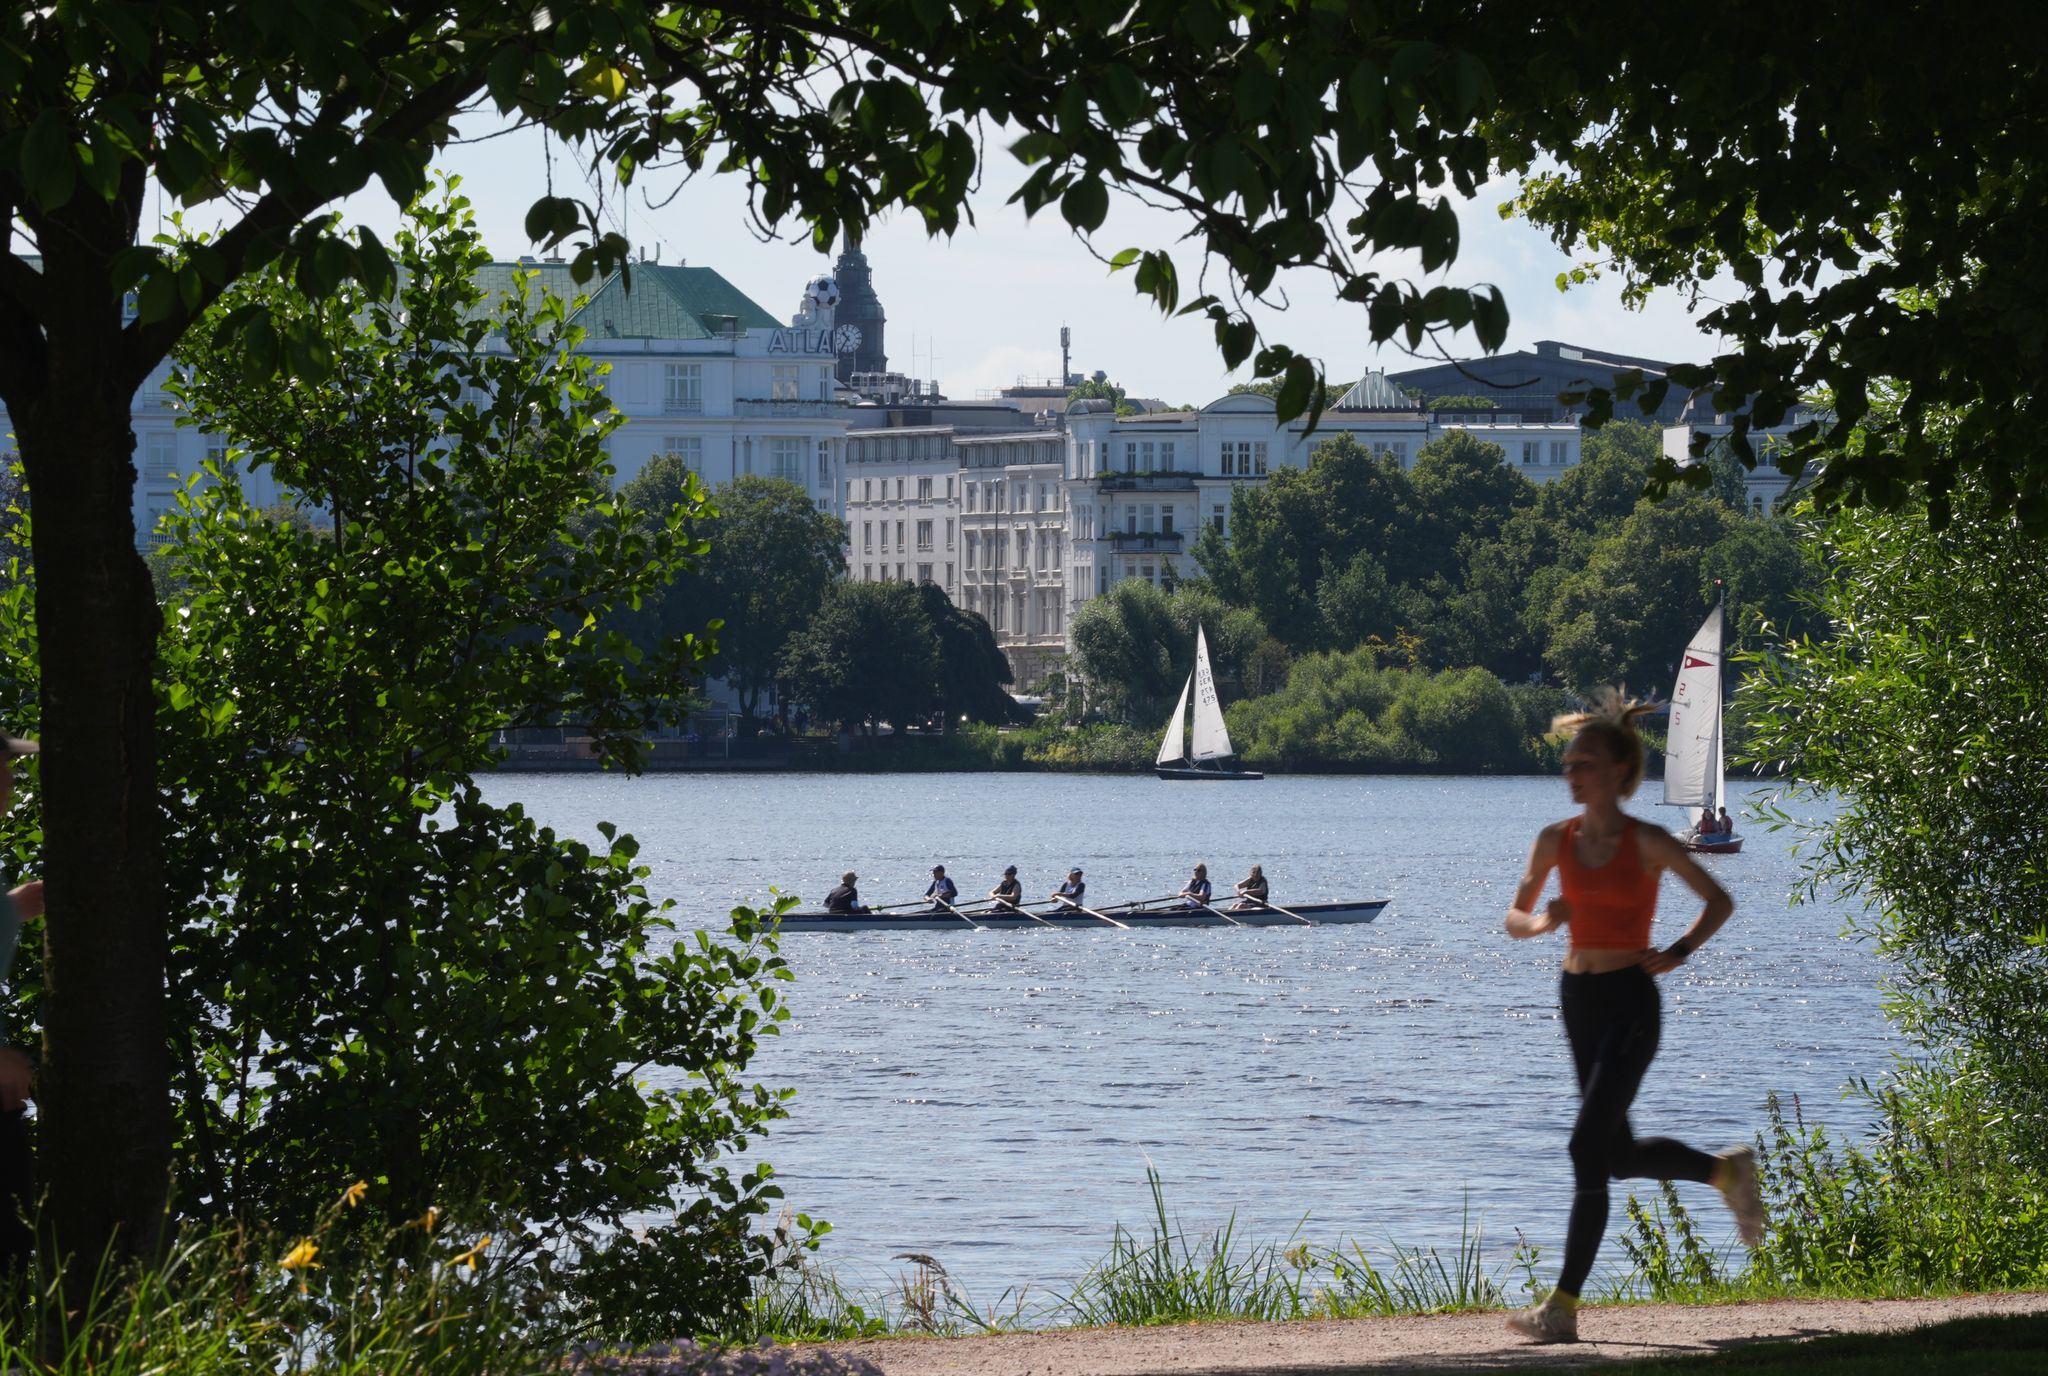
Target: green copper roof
668	302
665	302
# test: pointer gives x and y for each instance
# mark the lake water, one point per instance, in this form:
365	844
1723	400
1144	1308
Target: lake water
994	1098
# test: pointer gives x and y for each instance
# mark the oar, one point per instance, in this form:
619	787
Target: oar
891	907
1275	907
957	913
1062	898
1217	911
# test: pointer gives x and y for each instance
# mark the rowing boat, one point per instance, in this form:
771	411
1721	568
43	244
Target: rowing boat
1039	918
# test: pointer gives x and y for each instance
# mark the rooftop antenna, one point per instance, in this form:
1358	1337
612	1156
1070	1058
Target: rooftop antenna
1066	368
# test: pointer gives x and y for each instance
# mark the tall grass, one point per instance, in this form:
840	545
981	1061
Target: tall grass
1936	1202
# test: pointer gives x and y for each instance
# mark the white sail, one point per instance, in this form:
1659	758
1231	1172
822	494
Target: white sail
1692	752
1173	745
1212	740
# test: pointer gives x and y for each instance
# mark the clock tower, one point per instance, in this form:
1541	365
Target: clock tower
859	308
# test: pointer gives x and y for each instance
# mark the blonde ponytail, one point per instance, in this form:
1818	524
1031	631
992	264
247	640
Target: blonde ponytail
1611	726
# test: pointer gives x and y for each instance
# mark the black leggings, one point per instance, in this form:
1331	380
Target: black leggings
1612	1022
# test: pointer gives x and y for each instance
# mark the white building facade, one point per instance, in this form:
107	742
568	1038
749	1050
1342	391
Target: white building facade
1014	543
903	507
1140	488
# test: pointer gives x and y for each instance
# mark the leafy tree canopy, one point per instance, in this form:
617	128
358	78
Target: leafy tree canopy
1462	401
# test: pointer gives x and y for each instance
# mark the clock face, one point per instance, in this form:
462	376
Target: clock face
847	337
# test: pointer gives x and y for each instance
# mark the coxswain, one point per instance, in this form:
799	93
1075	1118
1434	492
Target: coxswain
1251	890
943	891
1010	893
1197	890
845	898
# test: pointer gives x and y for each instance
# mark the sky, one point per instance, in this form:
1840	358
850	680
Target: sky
984	309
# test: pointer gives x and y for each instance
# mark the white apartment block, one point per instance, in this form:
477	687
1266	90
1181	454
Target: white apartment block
1014	531
1765	486
903	507
1138	488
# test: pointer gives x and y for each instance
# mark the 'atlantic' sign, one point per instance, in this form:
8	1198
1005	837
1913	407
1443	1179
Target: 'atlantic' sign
801	341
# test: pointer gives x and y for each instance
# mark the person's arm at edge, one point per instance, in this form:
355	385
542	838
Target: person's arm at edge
1523	920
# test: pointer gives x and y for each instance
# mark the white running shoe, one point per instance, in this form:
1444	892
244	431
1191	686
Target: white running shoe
1548	1322
1738	1186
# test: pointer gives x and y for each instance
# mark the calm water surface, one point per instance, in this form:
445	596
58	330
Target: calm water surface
993	1098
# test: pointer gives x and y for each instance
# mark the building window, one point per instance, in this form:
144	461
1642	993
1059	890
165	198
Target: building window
1130	456
899	535
786	460
1259	458
885	535
949	489
1130	520
1145	572
1145	456
1166	455
899	489
970	542
867	536
217	453
867	489
899	574
1557	448
867	573
683	389
967	496
1401	452
949	532
1531	451
162	452
949	575
1216	517
1166	520
688	448
924	537
1102	580
924	573
1146	521
782	382
924	489
824	464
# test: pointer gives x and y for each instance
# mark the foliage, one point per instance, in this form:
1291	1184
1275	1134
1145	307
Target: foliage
1347	711
1462	401
1135	647
1101	746
972	668
1922	715
1931	1204
870	655
378	975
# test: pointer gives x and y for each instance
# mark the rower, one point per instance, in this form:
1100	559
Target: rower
1010	893
943	891
845	898
1198	890
1251	890
1073	891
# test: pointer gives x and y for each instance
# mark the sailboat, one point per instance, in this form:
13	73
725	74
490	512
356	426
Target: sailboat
1694	774
1211	739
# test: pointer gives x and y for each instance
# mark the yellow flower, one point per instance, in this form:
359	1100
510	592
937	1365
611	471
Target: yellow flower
426	1221
469	1258
302	1255
353	1195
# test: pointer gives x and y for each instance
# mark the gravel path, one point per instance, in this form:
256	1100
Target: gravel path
1437	1343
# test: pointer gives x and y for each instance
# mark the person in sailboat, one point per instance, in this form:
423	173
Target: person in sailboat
1197	889
1251	890
1072	893
1727	827
1008	893
1608	866
1705	826
846	897
943	892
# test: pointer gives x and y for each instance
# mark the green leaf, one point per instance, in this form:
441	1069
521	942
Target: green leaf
48	169
1086	204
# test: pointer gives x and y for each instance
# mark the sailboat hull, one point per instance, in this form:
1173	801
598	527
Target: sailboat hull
1169	772
1721	845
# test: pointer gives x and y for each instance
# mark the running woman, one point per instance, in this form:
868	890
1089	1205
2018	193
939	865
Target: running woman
1608	866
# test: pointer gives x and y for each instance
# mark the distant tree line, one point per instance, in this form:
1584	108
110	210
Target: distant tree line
1353	599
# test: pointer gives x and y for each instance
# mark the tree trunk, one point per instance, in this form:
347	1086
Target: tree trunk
104	1149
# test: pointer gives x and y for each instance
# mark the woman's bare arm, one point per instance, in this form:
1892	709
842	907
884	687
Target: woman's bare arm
1661	848
1523	919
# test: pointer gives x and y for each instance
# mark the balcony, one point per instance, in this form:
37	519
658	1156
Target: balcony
786	410
682	406
1142	541
1177	480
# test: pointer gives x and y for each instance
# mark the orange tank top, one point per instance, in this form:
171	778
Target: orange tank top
1611	904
